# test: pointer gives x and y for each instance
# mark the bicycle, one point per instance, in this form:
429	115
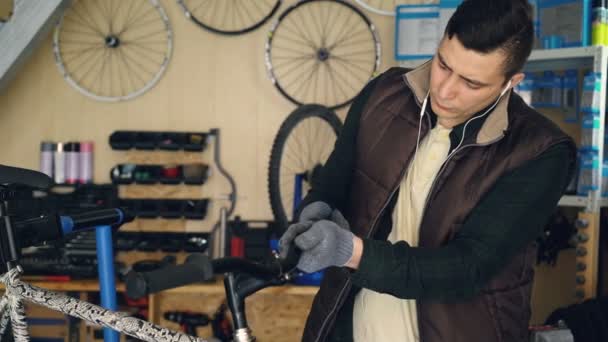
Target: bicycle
243	278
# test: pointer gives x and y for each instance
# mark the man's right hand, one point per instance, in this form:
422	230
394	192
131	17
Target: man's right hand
313	212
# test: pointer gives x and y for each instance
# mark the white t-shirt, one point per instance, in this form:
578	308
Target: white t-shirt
382	317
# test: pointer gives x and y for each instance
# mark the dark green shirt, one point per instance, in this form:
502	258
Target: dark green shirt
507	219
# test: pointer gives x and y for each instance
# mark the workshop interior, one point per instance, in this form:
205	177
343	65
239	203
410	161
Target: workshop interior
154	152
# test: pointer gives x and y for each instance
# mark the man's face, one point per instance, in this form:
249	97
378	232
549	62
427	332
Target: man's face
464	81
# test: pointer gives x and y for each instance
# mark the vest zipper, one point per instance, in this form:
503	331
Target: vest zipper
369	233
446	162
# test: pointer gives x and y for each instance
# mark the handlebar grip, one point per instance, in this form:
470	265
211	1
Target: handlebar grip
293	256
196	268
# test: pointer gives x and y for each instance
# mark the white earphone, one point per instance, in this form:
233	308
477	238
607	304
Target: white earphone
423	108
504	91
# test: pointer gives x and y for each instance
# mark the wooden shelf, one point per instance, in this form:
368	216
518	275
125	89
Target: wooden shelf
217	287
69	286
160	225
177	191
167	157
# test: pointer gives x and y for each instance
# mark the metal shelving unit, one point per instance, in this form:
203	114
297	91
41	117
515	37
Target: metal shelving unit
588	223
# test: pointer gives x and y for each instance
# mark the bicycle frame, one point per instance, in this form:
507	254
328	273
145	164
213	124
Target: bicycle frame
11	307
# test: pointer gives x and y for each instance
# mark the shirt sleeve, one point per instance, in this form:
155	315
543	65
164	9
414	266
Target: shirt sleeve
511	216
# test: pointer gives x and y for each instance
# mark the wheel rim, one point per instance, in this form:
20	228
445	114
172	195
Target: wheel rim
384	7
301	148
310	63
230	17
113	50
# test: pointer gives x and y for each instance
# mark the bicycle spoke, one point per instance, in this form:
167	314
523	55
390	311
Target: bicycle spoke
345	53
299	149
111	49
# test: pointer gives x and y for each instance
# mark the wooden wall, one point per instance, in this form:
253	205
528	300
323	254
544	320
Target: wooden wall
212	81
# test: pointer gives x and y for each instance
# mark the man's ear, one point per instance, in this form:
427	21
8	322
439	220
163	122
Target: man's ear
517	78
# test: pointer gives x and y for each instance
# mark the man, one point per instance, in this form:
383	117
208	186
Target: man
444	178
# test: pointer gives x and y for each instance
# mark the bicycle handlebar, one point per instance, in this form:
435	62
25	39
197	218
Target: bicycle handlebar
199	268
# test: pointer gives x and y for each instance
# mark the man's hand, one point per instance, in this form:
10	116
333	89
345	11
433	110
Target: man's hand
311	213
324	244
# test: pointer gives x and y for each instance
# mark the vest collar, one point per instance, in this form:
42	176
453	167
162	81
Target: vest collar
496	122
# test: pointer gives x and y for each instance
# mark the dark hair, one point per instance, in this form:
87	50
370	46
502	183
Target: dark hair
487	25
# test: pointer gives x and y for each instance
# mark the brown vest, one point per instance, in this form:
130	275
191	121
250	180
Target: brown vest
510	136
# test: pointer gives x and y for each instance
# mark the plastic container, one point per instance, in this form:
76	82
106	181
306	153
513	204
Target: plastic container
72	162
85	174
589	173
59	164
599	23
525	89
590	99
605	179
47	149
570	96
590	134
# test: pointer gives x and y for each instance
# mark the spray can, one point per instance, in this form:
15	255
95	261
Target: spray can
59	173
47	149
599	23
86	162
72	150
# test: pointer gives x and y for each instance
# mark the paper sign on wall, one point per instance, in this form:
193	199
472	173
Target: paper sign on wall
416	31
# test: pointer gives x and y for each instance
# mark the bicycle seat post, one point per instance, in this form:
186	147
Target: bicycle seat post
9	251
236	302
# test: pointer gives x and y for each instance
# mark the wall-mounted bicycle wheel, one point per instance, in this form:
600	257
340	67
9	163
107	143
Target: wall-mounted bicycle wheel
301	147
113	50
230	17
322	51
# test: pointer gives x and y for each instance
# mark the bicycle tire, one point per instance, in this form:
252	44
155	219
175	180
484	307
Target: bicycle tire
334	59
281	214
386	7
101	51
197	19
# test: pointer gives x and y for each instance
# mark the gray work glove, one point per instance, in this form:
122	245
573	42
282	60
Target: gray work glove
313	212
324	244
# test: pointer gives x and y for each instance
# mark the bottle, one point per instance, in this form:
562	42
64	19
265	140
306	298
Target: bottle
59	164
589	173
590	132
599	23
525	88
47	149
570	96
85	174
554	83
605	179
72	150
590	101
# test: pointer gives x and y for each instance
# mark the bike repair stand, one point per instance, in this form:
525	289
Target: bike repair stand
107	281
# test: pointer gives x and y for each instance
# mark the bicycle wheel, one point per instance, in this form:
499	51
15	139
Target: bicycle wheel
383	7
113	50
322	51
230	17
301	147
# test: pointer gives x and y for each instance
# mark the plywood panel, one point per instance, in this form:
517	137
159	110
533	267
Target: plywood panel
275	314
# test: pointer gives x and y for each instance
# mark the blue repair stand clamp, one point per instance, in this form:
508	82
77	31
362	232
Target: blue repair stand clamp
107	281
305	278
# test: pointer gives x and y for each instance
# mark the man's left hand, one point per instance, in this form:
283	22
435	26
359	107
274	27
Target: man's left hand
324	244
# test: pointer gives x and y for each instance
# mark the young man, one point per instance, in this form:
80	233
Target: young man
444	178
